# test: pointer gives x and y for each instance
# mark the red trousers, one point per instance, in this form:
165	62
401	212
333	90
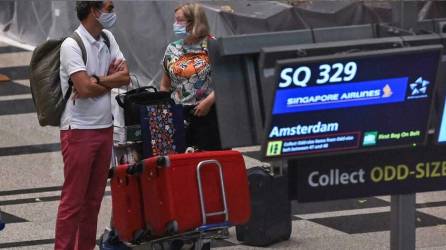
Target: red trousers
86	155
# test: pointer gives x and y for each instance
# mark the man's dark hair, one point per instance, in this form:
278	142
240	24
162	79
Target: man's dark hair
83	8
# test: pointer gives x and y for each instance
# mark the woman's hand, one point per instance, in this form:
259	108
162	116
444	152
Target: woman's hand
202	108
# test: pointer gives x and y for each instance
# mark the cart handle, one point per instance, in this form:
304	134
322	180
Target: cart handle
204	215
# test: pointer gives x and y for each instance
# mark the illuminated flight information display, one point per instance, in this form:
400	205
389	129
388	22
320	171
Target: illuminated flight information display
355	102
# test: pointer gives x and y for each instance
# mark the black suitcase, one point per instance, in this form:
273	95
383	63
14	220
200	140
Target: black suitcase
270	220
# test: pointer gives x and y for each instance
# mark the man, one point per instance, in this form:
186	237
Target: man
86	124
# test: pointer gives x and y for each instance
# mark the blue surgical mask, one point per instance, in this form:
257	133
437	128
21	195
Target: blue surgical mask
180	30
107	20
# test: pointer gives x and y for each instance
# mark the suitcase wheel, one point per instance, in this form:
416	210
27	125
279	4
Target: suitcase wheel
113	237
139	236
172	227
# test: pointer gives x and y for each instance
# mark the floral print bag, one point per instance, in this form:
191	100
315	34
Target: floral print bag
162	127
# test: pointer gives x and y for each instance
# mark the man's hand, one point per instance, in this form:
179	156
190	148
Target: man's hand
117	75
116	66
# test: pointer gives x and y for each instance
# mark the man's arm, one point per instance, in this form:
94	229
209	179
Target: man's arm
86	86
118	73
71	61
117	77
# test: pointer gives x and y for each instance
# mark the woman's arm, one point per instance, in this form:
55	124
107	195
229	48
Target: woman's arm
165	84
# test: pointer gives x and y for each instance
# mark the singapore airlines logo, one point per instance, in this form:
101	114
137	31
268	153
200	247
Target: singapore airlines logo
387	91
419	87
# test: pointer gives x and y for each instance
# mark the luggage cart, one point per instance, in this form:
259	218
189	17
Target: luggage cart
201	237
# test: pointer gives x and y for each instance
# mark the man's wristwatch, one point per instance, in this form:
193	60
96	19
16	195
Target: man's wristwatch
99	82
97	79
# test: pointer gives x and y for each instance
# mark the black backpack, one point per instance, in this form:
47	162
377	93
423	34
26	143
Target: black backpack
45	79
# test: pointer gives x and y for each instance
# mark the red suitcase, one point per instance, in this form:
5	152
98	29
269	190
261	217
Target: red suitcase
127	211
173	191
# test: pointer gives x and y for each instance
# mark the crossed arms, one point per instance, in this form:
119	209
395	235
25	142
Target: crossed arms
85	86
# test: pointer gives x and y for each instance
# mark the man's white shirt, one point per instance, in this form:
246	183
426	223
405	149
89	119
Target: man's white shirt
94	112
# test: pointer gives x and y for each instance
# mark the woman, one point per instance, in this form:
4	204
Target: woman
187	73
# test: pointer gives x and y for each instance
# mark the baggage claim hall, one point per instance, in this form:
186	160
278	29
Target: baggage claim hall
335	109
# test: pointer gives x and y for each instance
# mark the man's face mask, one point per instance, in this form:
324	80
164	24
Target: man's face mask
180	29
107	20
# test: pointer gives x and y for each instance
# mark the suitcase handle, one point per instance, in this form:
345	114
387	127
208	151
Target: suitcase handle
204	215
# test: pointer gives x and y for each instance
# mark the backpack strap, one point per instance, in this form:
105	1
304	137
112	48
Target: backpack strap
106	39
78	39
75	36
81	45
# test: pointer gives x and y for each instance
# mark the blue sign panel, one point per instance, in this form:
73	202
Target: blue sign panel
340	95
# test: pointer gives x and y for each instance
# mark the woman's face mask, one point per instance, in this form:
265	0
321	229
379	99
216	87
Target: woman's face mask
107	20
179	28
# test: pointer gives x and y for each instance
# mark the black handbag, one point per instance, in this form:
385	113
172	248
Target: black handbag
131	101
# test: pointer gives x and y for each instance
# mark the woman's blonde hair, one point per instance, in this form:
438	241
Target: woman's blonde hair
197	22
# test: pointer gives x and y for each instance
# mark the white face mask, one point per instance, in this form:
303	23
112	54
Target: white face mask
107	20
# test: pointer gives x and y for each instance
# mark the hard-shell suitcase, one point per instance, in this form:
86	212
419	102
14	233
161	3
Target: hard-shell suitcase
127	211
123	188
183	192
270	220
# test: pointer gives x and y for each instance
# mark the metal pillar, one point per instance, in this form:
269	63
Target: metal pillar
402	207
405	13
402	222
